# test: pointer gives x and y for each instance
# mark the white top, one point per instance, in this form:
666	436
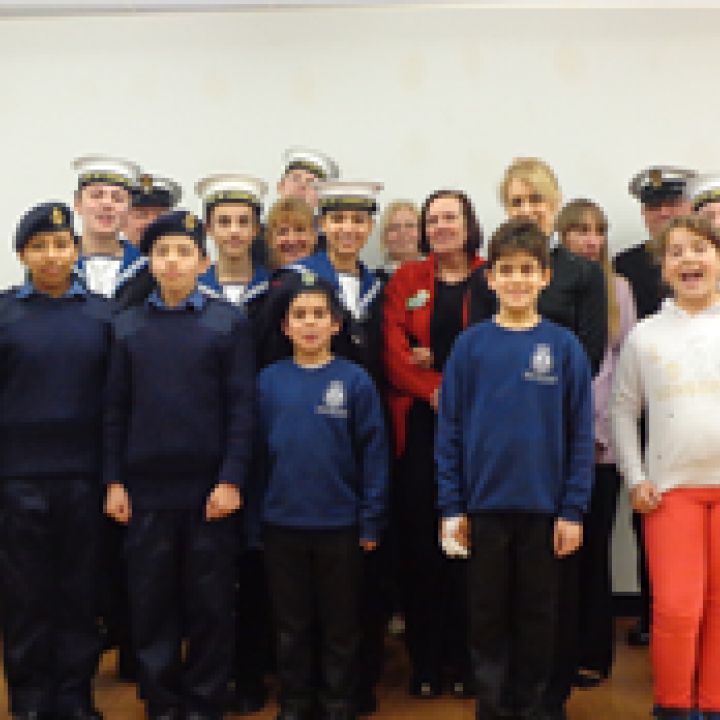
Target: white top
101	274
234	292
350	290
670	365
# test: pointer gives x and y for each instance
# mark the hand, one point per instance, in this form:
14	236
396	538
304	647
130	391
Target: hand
224	500
422	357
455	536
600	449
462	532
644	497
567	537
435	399
117	503
368	545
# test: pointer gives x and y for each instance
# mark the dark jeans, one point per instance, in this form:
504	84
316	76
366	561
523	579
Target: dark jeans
514	582
314	578
181	571
597	636
48	568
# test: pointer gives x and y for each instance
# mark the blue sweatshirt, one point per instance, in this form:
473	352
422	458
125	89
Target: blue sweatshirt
53	360
515	423
180	401
327	448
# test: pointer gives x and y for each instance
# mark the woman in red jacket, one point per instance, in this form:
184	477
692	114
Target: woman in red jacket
426	307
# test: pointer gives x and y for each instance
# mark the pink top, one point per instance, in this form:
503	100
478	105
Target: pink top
602	383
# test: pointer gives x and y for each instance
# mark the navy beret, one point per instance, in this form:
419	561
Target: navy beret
46	217
296	283
175	222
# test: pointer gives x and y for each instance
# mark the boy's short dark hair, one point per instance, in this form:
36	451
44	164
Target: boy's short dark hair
307	283
515	236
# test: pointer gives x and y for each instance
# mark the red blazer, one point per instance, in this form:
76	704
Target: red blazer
408	305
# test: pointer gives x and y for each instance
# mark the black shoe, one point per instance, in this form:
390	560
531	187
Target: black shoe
165	715
462	688
201	716
366	703
294	713
638	635
424	687
81	714
126	667
585	679
247	700
558	714
32	715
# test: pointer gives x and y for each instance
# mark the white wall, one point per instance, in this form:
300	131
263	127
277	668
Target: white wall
416	97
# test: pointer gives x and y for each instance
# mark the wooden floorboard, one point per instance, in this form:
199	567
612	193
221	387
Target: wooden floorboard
626	696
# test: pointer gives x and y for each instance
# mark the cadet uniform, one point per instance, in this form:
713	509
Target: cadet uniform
105	274
179	421
154	193
54	354
653	188
253	649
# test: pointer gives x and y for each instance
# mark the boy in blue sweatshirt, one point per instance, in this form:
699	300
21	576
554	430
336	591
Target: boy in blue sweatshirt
178	433
54	344
325	500
514	455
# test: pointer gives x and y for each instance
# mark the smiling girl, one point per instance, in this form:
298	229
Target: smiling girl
669	366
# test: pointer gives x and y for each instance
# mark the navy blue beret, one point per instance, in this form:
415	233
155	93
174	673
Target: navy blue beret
46	217
304	281
175	222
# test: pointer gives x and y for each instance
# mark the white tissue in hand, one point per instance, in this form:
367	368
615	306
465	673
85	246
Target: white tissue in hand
448	538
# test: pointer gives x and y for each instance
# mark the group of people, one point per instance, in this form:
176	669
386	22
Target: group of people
443	437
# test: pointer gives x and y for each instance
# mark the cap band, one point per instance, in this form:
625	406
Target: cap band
347	202
308	166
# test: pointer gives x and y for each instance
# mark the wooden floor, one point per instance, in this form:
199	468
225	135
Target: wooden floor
626	696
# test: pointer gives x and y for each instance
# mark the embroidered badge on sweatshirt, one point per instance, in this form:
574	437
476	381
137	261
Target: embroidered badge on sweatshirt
333	403
542	365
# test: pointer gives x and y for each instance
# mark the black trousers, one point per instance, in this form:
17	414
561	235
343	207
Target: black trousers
253	649
181	571
597	627
434	587
48	566
114	601
514	584
376	595
567	629
314	578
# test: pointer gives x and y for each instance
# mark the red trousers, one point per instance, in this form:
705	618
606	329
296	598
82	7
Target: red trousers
682	538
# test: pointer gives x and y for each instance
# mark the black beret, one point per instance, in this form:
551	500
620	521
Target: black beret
175	222
46	217
290	284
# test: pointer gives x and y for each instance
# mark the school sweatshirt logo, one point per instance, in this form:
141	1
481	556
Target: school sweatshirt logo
542	365
333	403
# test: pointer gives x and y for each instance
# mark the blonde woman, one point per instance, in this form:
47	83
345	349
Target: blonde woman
583	229
399	236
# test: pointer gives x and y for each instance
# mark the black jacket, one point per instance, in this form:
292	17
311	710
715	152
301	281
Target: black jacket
575	298
641	270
